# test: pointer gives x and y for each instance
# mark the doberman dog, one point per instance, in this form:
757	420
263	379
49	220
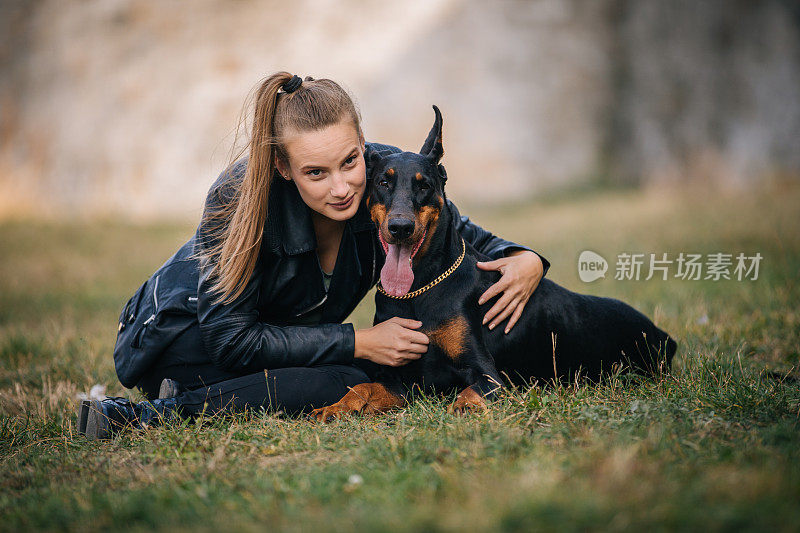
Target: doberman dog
430	275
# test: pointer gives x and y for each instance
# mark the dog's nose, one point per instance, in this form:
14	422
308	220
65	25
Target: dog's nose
401	228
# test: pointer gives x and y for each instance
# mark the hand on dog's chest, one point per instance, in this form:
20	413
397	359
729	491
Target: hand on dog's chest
447	331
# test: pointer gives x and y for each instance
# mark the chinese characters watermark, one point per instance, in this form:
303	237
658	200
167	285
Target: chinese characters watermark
684	266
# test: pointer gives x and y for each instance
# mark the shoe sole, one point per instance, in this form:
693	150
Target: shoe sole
97	423
83	414
169	389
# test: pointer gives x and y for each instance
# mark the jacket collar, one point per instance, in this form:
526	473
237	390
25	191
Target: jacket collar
289	226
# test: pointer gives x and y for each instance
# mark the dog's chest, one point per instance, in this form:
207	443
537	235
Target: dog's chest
442	313
451	318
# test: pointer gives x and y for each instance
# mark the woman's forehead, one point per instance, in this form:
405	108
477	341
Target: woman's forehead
328	145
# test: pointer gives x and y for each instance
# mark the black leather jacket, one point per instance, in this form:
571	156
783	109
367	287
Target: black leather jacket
258	330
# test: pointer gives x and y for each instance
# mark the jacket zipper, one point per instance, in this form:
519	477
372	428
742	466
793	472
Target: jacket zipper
155	303
304	311
372	280
308	310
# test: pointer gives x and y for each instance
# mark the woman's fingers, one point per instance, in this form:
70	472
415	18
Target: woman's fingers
417	337
417	348
503	302
521	275
412	343
515	316
493	291
504	313
406	322
417	343
412	352
496	264
409	329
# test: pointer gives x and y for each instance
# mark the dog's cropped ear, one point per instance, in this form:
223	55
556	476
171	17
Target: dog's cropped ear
433	144
442	174
373	160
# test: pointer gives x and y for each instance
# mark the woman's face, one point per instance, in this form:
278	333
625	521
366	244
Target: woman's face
328	168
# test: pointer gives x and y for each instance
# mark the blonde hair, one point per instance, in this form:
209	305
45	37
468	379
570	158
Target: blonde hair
235	228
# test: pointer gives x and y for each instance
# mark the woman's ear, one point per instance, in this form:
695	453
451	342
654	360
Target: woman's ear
283	169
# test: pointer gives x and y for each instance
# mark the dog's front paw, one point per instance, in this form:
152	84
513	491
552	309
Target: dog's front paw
331	412
366	398
467	401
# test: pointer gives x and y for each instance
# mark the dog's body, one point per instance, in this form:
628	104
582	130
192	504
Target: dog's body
560	333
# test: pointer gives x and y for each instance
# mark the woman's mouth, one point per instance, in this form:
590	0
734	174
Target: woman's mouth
345	204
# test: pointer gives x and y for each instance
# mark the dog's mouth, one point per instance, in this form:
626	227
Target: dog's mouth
396	274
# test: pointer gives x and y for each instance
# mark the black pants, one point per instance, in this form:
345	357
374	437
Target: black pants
291	390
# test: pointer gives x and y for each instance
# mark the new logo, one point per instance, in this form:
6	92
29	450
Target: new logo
591	266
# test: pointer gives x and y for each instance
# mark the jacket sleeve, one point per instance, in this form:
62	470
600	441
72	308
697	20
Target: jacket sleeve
487	243
237	341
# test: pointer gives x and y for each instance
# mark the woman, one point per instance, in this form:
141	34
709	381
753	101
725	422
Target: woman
248	312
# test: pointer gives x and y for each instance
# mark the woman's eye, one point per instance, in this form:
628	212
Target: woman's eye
350	160
315	172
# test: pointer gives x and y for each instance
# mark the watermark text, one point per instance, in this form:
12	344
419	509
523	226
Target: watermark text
685	266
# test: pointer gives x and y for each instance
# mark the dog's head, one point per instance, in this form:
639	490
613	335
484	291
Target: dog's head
405	201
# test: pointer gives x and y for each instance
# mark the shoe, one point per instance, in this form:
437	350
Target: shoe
103	415
109	416
170	388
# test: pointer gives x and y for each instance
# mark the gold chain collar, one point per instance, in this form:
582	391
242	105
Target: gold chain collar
433	283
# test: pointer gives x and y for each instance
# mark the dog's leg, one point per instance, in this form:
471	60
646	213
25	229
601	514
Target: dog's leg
366	398
485	378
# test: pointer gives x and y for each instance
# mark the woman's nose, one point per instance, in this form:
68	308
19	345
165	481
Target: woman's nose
339	187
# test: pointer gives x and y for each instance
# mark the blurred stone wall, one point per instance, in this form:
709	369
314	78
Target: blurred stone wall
705	90
128	106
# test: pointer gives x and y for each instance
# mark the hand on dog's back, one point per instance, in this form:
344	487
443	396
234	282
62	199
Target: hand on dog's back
394	342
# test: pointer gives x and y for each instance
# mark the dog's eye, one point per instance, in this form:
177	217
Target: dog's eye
424	186
383	183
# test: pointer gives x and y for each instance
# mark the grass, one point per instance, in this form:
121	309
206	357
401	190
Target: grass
713	446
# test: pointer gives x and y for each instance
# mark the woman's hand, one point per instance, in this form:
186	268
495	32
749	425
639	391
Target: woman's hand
521	273
392	343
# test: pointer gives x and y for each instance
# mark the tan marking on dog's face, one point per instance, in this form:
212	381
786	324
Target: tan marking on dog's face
428	217
390	172
451	336
418	176
378	214
421	221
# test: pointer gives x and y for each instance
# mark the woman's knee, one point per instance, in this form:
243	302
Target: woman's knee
349	375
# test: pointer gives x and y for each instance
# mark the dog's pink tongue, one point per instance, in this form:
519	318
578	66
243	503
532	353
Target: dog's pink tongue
396	275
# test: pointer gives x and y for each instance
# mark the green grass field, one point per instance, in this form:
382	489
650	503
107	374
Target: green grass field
713	446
